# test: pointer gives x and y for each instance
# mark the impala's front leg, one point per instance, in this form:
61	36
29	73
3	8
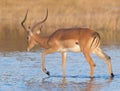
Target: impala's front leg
43	64
64	54
45	52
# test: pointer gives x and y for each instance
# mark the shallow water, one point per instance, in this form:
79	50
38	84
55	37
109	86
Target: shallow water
21	71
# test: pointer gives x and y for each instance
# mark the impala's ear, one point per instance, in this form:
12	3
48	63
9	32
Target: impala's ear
39	31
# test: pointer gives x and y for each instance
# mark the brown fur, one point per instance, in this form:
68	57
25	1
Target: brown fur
72	39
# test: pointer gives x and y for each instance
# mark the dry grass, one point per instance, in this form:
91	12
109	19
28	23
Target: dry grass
100	15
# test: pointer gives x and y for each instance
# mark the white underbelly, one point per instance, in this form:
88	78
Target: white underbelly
76	48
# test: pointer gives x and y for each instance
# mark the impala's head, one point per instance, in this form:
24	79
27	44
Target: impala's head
31	37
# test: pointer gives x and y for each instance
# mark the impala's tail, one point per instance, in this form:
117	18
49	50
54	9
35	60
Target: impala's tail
96	40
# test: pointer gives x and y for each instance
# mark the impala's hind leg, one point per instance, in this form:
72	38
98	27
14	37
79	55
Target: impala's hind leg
91	63
106	58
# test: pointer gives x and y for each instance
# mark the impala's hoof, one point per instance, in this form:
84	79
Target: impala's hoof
92	77
112	75
48	73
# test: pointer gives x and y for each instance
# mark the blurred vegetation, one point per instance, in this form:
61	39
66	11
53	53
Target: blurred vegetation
100	15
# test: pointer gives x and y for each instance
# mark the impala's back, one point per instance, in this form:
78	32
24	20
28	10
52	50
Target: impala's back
72	39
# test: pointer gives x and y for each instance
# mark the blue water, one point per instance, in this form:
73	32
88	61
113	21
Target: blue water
21	71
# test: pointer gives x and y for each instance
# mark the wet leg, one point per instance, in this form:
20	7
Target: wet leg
45	52
64	54
91	63
106	58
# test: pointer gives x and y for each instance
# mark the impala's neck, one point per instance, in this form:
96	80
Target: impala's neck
42	40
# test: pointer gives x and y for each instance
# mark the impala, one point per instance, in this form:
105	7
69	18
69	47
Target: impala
68	39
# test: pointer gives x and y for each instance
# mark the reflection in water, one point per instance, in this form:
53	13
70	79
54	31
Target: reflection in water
91	84
64	82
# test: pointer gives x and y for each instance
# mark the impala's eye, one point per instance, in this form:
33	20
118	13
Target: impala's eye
27	38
